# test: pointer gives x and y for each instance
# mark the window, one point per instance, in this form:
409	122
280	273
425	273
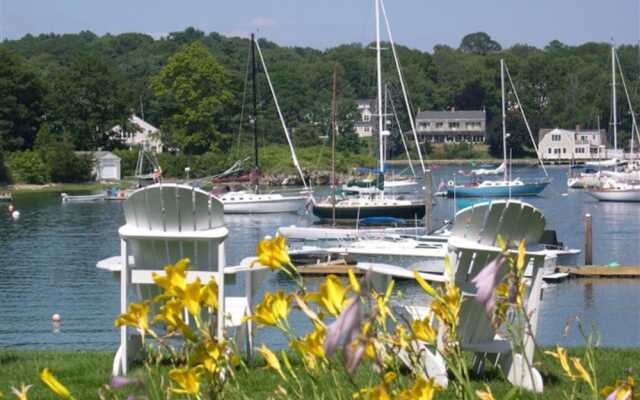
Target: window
454	125
549	150
366	117
439	124
556	138
424	125
564	150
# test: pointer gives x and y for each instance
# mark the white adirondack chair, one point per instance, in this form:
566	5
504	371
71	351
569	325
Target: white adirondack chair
471	247
164	224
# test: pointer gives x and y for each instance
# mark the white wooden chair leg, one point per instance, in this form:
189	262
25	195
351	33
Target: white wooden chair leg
248	289
522	374
221	314
124	285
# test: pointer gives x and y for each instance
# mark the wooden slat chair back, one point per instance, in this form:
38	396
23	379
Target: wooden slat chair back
164	224
471	247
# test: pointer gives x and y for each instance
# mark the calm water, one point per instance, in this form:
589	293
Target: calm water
48	262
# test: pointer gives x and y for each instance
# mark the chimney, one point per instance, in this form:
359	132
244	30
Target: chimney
453	108
578	128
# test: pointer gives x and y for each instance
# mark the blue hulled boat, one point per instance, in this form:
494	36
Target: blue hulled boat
514	188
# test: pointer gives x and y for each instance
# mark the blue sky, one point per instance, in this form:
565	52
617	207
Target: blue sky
326	23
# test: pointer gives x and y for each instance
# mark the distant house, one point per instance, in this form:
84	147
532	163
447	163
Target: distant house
565	145
451	126
366	126
145	135
106	165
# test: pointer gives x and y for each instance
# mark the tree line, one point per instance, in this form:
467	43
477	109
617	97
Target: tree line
66	91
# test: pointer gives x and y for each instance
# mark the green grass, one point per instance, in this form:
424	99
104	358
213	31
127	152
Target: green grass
84	372
59	187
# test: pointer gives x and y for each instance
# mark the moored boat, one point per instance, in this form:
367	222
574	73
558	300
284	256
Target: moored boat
83	198
504	188
246	202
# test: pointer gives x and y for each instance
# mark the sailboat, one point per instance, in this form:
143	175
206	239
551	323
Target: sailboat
619	186
377	204
506	187
252	201
397	184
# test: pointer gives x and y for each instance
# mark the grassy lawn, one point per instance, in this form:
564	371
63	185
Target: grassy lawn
84	372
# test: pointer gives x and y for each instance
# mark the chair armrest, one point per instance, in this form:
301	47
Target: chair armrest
245	266
398	272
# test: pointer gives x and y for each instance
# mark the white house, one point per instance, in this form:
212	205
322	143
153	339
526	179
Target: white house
146	135
366	126
565	145
106	166
453	126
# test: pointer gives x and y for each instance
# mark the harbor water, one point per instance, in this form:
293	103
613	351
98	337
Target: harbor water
48	257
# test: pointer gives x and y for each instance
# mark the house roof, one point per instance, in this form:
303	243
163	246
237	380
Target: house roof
448	115
98	155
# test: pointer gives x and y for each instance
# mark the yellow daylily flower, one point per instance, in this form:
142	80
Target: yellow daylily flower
353	281
521	255
401	338
485	394
21	394
171	314
331	297
56	387
209	294
312	344
378	392
191	297
582	372
136	317
623	389
273	309
423	331
187	379
422	389
273	253
209	354
174	280
382	303
424	285
271	360
561	355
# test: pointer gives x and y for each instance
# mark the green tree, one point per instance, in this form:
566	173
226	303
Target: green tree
21	102
194	89
86	102
479	43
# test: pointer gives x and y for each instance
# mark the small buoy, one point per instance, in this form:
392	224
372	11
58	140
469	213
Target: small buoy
11	208
55	317
15	214
614	264
565	194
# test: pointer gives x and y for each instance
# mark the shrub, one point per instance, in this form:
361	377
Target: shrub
28	167
65	166
4	172
128	160
458	151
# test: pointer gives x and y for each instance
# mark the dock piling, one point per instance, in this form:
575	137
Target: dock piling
428	200
588	244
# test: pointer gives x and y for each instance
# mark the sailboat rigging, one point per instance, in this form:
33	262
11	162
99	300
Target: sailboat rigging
506	187
252	201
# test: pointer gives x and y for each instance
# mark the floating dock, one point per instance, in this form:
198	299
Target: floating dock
601	271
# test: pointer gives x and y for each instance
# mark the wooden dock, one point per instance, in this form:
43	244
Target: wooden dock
335	267
601	271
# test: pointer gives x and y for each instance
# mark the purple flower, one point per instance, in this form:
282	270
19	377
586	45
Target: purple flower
118	382
347	323
486	284
352	355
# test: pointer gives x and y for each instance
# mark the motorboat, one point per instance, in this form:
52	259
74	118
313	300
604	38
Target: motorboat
83	199
616	191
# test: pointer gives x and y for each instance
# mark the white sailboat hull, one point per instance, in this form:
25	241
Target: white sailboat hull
629	195
251	203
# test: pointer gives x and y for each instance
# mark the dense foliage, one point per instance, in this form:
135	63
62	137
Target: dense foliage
193	86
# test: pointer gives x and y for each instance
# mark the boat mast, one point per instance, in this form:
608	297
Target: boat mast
504	123
379	73
255	101
613	99
333	149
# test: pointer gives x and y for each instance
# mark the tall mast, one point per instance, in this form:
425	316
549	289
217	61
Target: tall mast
255	101
333	149
613	99
379	72
504	121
